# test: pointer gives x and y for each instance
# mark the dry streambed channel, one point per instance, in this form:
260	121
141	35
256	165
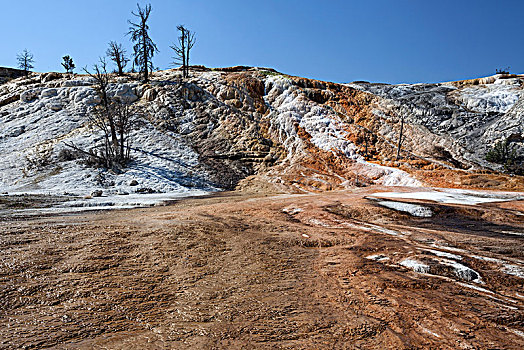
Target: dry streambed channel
359	269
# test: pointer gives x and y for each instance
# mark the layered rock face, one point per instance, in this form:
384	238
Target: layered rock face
252	127
456	122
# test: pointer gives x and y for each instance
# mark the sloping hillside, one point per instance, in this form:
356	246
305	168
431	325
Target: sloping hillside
256	128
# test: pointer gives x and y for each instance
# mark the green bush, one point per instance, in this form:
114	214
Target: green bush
505	154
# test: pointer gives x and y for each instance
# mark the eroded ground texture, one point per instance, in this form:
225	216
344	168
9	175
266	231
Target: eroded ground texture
328	271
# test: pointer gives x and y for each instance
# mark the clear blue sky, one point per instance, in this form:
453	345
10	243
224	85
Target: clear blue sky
339	40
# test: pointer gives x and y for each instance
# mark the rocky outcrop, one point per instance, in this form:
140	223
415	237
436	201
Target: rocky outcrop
222	128
454	124
7	74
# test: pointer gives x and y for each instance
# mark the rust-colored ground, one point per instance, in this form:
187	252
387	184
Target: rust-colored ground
239	271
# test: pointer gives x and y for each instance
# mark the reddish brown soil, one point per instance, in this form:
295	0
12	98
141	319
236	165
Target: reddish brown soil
239	271
471	180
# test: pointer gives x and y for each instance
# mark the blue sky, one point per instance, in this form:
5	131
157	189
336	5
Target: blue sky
389	41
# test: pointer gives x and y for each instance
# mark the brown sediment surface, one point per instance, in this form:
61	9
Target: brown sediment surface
311	271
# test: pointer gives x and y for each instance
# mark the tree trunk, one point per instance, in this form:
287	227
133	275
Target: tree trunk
183	48
112	127
144	52
187	58
120	68
400	137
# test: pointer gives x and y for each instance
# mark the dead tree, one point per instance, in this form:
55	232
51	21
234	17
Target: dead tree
190	42
25	61
144	48
401	136
68	64
112	116
117	54
182	49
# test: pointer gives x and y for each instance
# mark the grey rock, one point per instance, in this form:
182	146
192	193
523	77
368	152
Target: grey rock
28	96
54	106
17	131
144	190
96	193
48	93
50	76
149	95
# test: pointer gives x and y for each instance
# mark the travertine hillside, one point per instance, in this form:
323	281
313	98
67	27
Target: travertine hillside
259	129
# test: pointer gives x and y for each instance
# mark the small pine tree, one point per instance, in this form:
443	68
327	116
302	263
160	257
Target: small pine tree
68	64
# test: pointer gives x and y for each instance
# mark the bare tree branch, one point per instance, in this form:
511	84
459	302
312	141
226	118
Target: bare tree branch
182	49
112	116
118	55
25	61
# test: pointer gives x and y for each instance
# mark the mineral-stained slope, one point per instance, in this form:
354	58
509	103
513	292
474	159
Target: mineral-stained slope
257	128
462	118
